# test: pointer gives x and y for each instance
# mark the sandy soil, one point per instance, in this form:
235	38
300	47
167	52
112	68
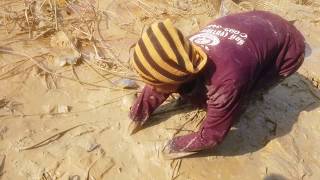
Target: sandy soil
74	126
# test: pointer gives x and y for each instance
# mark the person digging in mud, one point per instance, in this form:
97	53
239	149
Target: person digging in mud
216	68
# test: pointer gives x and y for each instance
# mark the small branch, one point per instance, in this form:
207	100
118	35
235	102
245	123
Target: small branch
50	139
55	14
75	75
190	119
31	58
176	168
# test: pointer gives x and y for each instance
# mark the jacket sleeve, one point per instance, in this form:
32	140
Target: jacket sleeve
145	104
222	108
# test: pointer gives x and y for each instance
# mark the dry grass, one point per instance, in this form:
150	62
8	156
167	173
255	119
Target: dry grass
34	21
42	20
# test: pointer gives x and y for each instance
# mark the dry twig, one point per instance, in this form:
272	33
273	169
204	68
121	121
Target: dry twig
21	62
2	162
176	169
190	119
50	139
42	67
75	74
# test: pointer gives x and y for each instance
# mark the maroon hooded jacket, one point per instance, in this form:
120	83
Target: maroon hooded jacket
244	51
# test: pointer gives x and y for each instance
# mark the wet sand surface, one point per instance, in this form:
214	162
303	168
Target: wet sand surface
56	128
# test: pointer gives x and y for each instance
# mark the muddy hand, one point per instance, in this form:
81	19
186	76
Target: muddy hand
169	153
134	127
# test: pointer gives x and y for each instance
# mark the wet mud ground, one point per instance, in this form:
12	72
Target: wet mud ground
60	128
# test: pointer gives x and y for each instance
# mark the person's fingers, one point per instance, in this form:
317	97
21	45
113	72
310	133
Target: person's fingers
134	127
168	153
178	155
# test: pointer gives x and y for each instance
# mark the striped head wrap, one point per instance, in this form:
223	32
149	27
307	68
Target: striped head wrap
163	56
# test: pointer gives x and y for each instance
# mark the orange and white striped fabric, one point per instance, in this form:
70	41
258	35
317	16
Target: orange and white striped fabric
163	56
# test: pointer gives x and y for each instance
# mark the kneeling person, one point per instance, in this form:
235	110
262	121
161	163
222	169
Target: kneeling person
216	68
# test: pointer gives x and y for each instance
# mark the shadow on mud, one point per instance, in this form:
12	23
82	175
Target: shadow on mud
269	117
274	177
166	111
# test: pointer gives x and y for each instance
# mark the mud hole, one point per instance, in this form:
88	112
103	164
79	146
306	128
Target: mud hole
62	116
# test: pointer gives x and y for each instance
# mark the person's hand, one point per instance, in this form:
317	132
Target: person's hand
182	146
134	126
169	153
